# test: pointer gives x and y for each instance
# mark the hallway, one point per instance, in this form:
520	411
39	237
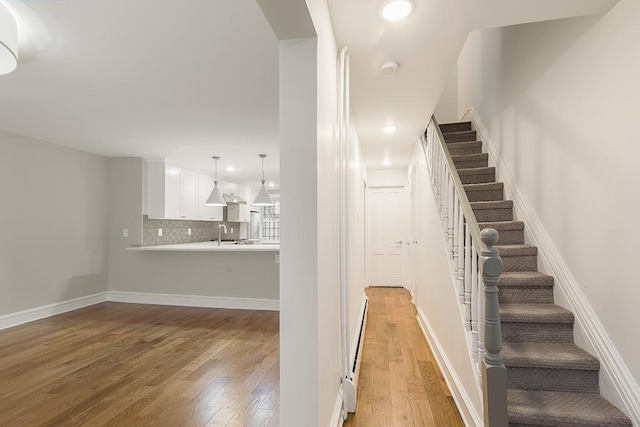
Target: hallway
400	383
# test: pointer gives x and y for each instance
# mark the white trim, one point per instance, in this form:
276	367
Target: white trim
37	313
467	410
195	300
350	385
337	419
617	383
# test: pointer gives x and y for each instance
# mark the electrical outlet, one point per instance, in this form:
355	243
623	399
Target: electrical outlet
189	231
277	259
125	232
159	232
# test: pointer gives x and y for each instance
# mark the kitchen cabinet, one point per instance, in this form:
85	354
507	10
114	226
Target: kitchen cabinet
207	213
172	192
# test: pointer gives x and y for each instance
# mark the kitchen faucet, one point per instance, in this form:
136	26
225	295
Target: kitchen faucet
221	226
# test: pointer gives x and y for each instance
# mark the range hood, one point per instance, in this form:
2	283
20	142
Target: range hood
233	198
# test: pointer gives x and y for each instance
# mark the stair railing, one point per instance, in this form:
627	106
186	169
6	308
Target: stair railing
473	258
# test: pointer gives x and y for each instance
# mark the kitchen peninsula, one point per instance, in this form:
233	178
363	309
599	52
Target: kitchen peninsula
175	262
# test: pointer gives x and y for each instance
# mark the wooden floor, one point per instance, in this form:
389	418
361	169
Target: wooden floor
141	365
400	383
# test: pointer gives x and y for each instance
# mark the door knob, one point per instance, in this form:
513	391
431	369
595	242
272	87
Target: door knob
399	242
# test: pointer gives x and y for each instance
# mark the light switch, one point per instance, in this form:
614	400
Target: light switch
125	232
159	232
189	231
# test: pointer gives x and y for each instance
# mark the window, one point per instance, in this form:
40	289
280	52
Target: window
271	222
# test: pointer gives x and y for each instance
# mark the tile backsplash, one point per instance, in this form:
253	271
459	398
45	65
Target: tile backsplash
175	231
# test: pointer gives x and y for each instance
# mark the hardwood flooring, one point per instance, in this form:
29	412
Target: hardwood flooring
141	365
400	383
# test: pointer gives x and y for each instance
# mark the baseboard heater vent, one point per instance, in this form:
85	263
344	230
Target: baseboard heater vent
351	384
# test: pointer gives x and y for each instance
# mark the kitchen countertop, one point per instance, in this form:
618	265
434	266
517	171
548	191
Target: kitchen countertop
209	247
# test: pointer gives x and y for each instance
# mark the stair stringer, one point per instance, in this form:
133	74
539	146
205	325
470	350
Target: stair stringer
616	382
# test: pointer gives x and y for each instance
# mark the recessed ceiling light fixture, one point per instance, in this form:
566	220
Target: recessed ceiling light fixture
230	169
272	184
390	128
386	162
396	10
8	41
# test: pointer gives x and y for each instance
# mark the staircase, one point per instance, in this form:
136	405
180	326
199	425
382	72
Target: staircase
550	380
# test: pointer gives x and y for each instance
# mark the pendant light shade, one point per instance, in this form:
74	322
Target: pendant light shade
216	198
8	41
263	198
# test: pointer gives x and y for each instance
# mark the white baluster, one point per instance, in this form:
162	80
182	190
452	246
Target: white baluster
474	280
457	237
467	259
474	306
450	216
460	234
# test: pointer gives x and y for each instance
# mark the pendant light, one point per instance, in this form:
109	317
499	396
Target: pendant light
8	41
263	198
215	198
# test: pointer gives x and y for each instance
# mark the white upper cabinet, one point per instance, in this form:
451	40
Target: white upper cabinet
172	192
207	213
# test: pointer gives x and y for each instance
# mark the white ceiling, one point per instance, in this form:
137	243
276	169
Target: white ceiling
187	80
149	78
426	45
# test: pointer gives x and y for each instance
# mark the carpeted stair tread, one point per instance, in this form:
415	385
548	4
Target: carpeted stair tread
466	161
469	147
525	279
486	186
460	136
535	313
502	225
477	175
552	408
548	355
455	127
493	204
516	250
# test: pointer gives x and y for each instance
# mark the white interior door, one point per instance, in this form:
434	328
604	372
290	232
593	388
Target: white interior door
388	210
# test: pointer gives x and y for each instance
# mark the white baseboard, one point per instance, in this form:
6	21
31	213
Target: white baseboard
336	418
37	313
468	412
617	383
195	301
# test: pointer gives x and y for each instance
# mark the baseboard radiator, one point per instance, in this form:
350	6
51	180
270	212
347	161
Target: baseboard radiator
357	342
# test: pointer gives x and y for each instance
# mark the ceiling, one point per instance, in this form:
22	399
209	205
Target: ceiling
188	80
148	78
426	45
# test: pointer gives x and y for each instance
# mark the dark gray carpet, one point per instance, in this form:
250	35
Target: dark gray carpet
551	381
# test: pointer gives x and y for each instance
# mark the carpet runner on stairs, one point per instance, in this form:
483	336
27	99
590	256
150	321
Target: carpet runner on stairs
550	380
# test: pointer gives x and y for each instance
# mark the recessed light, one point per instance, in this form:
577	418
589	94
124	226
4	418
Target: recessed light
390	128
230	169
272	184
396	10
386	162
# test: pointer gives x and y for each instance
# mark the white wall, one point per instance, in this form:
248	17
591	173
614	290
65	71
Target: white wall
356	203
435	295
447	107
386	177
54	212
560	102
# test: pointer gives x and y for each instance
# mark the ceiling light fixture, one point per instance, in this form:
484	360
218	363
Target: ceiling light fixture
272	184
396	10
386	162
390	128
263	198
8	41
216	198
231	169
